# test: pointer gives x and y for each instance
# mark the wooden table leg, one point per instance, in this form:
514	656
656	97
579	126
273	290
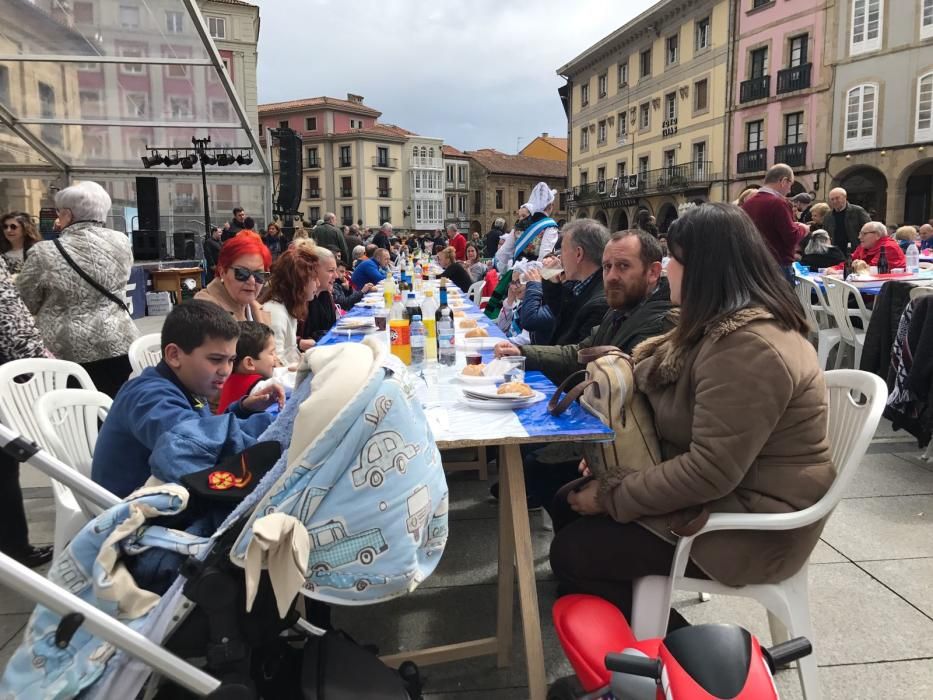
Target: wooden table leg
505	603
511	473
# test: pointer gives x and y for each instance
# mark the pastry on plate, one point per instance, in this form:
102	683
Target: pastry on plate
519	388
459	314
473	370
468	323
477	333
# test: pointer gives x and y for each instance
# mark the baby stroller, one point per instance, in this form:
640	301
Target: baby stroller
704	662
354	512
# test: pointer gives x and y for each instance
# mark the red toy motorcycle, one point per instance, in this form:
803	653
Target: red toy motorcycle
705	662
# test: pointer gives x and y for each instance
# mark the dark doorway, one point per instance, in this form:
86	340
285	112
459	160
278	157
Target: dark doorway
868	188
918	195
621	221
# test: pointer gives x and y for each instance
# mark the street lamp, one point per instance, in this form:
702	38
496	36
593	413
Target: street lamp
201	151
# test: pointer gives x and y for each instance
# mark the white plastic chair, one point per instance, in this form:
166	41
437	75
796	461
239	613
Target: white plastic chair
826	338
145	351
17	411
837	299
475	292
852	423
69	421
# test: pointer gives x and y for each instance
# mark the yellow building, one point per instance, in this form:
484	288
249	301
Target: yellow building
547	147
646	109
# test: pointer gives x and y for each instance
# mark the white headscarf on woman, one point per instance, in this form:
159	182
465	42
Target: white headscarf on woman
541	197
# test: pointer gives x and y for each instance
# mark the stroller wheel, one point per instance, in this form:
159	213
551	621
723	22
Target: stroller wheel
566	688
411	676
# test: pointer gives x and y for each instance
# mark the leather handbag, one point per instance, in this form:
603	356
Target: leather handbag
606	388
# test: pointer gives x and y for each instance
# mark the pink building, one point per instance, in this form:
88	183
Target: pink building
780	93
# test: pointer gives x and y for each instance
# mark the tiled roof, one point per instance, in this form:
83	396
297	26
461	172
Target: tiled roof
556	142
383	130
394	128
332	102
452	152
503	164
234	2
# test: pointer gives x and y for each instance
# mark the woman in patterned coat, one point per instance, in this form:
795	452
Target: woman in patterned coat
78	322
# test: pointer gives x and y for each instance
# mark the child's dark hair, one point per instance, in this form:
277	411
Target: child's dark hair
253	338
190	324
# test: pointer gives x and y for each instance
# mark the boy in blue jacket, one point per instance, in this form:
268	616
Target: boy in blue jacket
160	423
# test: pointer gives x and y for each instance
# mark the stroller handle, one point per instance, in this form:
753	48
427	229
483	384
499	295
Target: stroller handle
786	652
634	665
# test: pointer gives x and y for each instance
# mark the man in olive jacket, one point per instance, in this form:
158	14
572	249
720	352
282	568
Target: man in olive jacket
327	235
639	306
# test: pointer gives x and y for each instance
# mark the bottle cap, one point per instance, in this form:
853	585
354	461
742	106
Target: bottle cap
411	295
416	317
397	297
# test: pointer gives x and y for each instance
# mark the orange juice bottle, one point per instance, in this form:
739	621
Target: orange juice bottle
400	339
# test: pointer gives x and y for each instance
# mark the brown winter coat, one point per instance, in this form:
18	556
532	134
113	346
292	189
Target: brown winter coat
742	419
217	293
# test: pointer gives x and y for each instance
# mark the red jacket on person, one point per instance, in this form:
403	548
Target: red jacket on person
773	216
459	243
892	251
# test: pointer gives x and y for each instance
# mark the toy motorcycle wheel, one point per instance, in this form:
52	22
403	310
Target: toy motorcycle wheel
566	688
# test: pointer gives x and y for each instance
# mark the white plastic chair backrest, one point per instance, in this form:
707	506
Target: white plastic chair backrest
69	420
475	292
145	351
837	298
856	401
22	382
805	289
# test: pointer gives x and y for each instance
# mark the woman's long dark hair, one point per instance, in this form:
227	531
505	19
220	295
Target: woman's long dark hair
727	267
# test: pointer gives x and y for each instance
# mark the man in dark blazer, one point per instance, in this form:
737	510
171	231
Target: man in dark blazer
845	221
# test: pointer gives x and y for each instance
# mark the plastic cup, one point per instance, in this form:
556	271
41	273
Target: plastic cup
516	370
382	318
474	358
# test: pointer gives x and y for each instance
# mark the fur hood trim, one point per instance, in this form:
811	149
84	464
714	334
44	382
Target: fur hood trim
668	361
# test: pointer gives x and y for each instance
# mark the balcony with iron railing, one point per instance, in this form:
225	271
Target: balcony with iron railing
755	89
673	178
346	163
312	194
791	79
752	161
385	191
313	163
385	163
792	154
346	192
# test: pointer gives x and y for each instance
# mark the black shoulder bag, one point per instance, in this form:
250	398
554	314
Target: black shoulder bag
90	280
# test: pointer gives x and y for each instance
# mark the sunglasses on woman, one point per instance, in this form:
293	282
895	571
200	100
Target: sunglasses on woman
242	274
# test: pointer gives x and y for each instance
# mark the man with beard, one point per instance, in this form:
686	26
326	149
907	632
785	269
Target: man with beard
639	302
639	308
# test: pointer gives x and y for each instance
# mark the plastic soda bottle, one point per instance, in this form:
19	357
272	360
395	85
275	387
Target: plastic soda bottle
428	311
913	259
418	342
397	311
400	339
446	348
388	291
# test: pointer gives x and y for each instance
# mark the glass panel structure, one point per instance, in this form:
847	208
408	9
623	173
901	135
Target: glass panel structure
87	85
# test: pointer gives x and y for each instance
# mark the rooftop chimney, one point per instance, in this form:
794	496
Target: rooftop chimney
544	134
358	99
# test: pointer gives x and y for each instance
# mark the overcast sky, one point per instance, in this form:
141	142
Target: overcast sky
477	73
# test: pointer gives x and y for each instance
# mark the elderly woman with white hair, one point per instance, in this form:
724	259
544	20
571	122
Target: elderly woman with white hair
322	310
75	287
820	252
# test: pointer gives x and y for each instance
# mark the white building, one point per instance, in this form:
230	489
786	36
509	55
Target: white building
425	182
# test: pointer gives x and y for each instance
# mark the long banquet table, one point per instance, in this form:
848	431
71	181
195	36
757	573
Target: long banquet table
457	426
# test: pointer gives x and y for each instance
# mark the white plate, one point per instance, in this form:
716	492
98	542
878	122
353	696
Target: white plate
356	323
478	343
503	405
484	380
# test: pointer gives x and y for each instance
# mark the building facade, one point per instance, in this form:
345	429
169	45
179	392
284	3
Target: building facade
424	196
456	188
546	146
881	148
501	183
781	93
647	114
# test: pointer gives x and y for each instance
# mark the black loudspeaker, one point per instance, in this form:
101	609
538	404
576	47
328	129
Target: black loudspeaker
290	172
149	245
147	200
185	247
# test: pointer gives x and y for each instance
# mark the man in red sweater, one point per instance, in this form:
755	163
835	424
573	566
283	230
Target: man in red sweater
874	237
773	214
457	240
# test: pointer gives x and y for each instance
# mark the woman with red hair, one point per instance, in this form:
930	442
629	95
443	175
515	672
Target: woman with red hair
242	270
293	284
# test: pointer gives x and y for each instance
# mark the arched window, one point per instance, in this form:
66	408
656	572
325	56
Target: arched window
424	152
925	108
861	117
867	19
414	151
430	153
